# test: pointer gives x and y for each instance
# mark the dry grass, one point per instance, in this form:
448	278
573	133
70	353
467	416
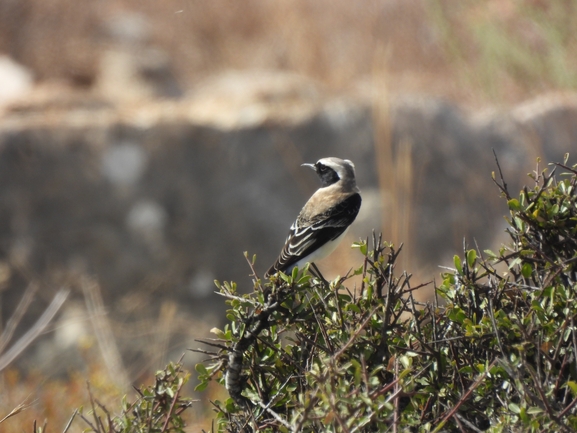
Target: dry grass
473	51
35	397
53	401
44	384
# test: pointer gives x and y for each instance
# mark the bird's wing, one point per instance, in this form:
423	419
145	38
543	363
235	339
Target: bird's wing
306	237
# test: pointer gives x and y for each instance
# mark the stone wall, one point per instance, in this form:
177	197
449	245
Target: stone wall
159	198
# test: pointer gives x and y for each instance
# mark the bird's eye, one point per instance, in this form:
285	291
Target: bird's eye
321	168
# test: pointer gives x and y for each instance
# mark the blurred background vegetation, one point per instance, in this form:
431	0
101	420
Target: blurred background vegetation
475	53
470	51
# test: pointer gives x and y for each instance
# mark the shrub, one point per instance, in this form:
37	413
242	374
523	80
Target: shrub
157	409
495	349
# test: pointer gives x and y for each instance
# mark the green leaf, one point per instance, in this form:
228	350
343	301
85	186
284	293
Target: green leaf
514	204
491	254
573	386
534	410
526	270
406	361
362	246
217	332
201	368
553	211
471	258
286	278
458	266
456	314
295	273
353	307
201	386
515	262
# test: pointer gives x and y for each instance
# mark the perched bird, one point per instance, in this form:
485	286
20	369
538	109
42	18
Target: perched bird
324	219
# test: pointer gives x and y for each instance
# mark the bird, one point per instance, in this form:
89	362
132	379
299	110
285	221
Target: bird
324	219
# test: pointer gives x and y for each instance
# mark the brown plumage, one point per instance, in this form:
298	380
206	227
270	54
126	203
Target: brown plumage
324	219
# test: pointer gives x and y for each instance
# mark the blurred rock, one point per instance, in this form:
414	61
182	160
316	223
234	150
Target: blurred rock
124	164
15	80
550	122
134	74
131	68
452	195
241	100
159	199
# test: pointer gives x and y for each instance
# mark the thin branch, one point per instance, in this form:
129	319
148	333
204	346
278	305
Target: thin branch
70	421
503	185
172	405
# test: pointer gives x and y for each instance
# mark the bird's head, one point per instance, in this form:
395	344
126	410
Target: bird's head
332	170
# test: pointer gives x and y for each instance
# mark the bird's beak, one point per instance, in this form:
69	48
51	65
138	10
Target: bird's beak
308	165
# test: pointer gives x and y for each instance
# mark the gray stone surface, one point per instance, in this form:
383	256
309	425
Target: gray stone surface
159	198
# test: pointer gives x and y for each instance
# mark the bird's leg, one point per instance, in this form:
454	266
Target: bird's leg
315	271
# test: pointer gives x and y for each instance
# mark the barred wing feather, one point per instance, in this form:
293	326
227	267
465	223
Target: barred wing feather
326	227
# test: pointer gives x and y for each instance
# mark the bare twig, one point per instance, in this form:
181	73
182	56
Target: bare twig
172	405
70	421
503	185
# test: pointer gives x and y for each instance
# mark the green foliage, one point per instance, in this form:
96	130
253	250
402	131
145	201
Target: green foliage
494	350
158	408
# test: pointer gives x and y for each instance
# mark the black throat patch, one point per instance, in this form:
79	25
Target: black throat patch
328	175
